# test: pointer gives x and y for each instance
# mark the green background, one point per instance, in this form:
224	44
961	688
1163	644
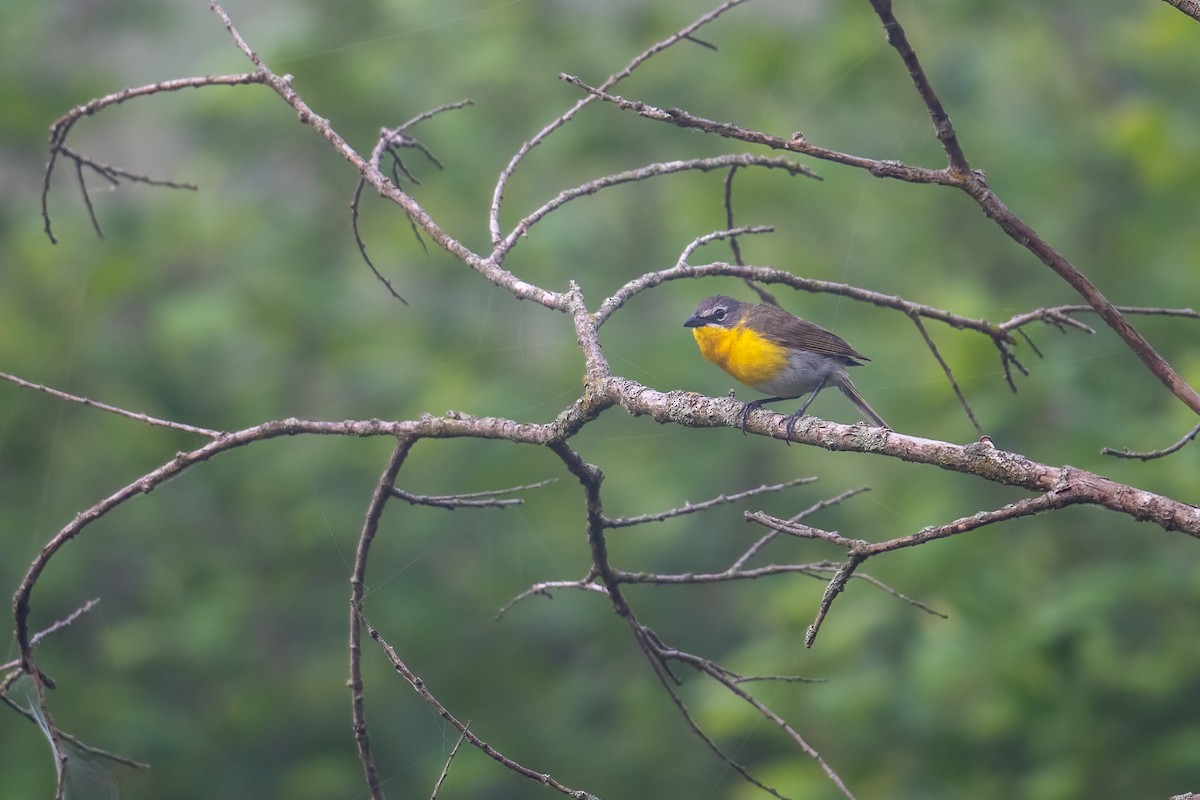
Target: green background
1068	665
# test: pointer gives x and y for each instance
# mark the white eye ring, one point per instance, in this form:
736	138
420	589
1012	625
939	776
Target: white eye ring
719	314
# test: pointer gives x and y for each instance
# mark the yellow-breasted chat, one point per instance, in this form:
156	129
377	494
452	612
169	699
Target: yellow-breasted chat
770	350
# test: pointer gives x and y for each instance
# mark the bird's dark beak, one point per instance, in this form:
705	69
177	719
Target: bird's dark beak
694	322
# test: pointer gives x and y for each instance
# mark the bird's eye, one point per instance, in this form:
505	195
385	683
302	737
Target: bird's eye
719	314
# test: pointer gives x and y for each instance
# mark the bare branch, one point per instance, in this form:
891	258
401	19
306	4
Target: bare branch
971	182
1064	494
362	246
569	114
732	683
757	547
836	586
933	348
773	275
437	787
980	459
689	508
489	268
796	144
1189	7
547	588
437	427
358	584
489	499
1059	315
644	173
942	126
1166	451
62	128
423	690
800	530
391	142
83	401
70	619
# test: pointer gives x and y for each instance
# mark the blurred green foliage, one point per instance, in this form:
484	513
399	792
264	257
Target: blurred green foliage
1067	667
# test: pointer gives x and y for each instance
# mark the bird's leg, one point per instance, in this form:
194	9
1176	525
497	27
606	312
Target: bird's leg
744	417
791	421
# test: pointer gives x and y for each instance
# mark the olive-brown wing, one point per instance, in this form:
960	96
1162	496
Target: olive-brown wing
790	331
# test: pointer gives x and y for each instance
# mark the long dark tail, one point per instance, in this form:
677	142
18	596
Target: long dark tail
848	389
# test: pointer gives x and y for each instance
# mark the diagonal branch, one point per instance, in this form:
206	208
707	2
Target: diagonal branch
61	129
644	173
491	752
942	126
358	584
121	412
974	184
685	34
1189	7
489	268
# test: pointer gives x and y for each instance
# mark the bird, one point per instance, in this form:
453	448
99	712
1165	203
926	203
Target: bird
772	351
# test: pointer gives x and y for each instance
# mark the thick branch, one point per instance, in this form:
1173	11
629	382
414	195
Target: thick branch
981	460
1189	7
1021	233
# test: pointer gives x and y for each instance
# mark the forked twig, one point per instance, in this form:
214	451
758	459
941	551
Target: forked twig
390	143
61	129
423	691
506	174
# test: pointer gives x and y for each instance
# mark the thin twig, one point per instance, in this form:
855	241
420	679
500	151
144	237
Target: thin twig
547	588
488	499
358	586
362	245
61	128
55	628
771	535
63	736
949	373
1059	314
83	401
647	172
391	141
692	508
647	280
507	173
64	622
731	683
437	787
1166	451
942	126
422	689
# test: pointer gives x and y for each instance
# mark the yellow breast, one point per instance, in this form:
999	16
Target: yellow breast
742	353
